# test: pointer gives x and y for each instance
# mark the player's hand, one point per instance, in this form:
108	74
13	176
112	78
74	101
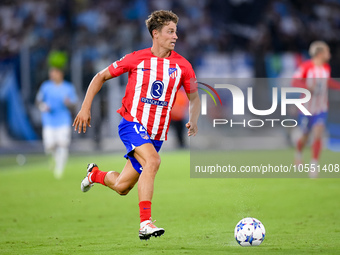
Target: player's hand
82	120
43	107
68	103
192	128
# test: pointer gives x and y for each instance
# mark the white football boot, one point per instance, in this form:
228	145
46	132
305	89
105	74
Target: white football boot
148	229
86	183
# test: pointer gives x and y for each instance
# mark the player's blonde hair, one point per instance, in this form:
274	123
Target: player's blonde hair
158	19
316	47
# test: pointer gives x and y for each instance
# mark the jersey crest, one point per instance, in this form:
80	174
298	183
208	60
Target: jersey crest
173	72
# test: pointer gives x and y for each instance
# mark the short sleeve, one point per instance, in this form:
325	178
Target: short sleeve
189	80
121	66
328	67
300	73
299	77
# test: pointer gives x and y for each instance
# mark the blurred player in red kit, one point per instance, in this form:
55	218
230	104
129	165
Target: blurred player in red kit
314	75
155	76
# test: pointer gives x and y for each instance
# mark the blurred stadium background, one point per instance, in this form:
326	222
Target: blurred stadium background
223	38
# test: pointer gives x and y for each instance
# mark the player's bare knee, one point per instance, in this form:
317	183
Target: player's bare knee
153	162
318	133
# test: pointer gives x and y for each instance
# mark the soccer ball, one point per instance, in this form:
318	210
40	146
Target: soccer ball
249	232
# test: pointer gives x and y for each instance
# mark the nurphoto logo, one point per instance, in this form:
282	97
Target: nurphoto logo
238	105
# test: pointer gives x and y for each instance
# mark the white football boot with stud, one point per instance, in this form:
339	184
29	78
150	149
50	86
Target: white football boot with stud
148	229
86	183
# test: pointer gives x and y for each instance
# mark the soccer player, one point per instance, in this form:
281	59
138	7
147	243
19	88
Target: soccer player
155	75
314	75
55	99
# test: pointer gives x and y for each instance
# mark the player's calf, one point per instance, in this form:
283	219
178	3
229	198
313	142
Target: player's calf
119	183
122	189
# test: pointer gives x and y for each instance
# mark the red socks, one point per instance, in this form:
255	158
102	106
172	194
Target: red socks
299	145
316	149
98	176
144	210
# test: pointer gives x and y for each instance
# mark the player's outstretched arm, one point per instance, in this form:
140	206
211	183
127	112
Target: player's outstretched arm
194	112
83	118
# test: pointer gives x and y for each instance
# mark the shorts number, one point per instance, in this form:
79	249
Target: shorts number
141	129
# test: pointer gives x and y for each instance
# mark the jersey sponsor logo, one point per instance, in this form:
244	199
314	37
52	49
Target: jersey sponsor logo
146	69
153	101
157	89
173	72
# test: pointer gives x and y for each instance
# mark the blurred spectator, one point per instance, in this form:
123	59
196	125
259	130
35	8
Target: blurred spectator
205	25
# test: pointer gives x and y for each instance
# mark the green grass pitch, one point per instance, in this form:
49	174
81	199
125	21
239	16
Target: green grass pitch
41	215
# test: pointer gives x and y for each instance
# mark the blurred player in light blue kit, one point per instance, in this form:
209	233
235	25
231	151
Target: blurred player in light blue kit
55	99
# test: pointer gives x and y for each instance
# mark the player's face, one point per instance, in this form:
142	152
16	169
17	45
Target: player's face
167	36
326	54
56	75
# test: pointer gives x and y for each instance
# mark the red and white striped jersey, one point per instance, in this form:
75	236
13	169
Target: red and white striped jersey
151	89
316	78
